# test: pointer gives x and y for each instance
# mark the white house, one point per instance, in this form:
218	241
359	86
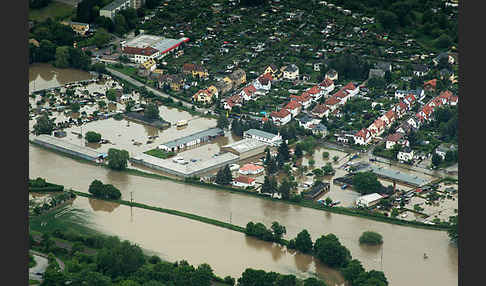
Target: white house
307	122
327	84
281	117
396	138
293	107
362	137
405	155
304	99
290	72
443	149
251	169
243	181
420	70
265	137
248	92
262	83
368	200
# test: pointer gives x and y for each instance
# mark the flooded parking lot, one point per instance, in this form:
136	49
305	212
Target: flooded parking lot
43	76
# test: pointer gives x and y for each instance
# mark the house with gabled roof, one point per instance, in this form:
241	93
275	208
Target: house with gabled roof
294	107
320	110
404	128
378	126
290	72
262	83
271	69
243	181
430	85
362	137
396	138
327	84
248	92
203	96
281	117
304	99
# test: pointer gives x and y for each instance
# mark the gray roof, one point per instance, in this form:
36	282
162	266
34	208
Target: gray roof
398	175
245	145
291	68
376	73
202	134
383	66
421	68
260	133
43	138
113	5
320	127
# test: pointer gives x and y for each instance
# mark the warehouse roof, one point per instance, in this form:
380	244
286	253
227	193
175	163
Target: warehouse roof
260	133
113	5
369	198
398	175
212	132
245	145
43	138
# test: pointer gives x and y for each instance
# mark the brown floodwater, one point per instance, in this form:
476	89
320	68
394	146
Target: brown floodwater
175	238
42	76
400	257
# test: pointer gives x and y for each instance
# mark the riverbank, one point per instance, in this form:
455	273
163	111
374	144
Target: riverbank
303	203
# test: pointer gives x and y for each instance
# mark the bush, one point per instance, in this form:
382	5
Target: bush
92	137
370	237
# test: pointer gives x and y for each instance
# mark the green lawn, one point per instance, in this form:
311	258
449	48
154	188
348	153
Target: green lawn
55	10
33	282
159	153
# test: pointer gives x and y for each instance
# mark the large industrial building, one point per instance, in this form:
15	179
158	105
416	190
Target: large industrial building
114	7
68	147
265	137
399	177
146	47
245	148
191	140
189	169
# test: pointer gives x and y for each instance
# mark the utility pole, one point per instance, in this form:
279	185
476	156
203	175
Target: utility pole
131	207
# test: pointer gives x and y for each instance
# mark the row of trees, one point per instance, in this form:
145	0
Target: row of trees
224	176
104	191
92	137
275	233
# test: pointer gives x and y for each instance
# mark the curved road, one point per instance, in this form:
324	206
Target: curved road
40	267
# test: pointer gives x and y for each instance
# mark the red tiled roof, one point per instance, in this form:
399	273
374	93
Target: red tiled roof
139	51
341	94
349	86
394	137
427	110
268	76
201	91
446	94
280	114
432	83
293	104
320	108
332	101
363	133
250	167
244	179
402	105
390	114
379	123
326	82
410	98
314	90
249	90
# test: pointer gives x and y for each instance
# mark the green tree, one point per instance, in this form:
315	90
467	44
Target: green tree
117	159
111	94
325	155
119	258
314	282
283	151
101	104
328	169
367	183
92	137
62	57
278	231
394	212
353	270
44	125
151	111
267	186
371	237
335	158
443	42
75	106
284	189
224	176
303	242
101	38
223	121
329	250
229	280
453	229
436	159
328	201
298	151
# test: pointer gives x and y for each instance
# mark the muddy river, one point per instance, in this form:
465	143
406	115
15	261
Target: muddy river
400	257
175	238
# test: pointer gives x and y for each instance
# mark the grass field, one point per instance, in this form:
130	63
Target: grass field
33	282
159	153
55	10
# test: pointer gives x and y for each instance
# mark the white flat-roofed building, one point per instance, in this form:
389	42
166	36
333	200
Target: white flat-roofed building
265	137
368	200
145	47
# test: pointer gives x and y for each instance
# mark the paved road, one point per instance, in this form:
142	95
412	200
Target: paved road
156	92
40	267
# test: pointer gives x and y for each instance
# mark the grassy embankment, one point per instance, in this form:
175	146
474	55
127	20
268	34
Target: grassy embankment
55	10
159	153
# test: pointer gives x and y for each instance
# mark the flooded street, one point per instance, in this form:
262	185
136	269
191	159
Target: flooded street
403	247
175	238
